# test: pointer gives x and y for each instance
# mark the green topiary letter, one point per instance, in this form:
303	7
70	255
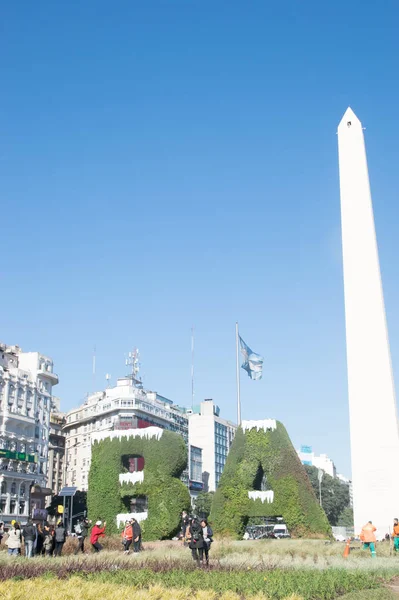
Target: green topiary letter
110	490
262	457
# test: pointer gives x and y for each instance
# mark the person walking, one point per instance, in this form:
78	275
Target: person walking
395	535
60	536
48	541
96	533
127	536
368	538
29	535
196	538
13	542
82	531
136	535
207	534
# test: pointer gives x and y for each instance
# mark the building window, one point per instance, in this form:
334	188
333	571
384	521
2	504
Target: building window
13	488
3	487
195	463
22	489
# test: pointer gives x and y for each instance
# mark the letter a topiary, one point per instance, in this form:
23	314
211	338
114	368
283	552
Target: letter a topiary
263	477
111	487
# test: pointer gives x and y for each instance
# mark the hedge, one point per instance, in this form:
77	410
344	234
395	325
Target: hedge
272	453
164	461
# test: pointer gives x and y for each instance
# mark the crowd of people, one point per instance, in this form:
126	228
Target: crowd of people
49	540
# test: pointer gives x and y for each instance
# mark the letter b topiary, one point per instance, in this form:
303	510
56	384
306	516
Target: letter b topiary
165	458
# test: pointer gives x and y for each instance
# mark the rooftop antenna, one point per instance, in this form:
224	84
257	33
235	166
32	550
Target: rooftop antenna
192	367
108	378
94	369
133	361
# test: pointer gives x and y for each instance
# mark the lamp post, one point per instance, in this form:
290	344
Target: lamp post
320	477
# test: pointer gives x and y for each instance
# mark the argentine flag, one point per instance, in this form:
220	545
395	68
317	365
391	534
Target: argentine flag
253	363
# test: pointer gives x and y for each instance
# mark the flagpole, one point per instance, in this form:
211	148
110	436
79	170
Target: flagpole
238	378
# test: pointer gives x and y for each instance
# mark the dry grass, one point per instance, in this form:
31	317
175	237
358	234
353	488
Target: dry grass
225	555
78	589
165	571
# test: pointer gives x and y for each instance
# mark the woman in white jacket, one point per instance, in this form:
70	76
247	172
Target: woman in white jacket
13	541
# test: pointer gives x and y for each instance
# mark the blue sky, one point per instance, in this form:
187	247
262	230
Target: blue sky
165	164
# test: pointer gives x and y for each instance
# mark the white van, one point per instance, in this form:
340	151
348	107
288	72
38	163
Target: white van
281	531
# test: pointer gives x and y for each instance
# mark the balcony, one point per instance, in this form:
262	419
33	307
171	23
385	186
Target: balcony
49	375
18	416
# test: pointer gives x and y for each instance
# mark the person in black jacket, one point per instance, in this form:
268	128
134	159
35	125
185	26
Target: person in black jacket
136	536
29	535
39	550
60	535
196	540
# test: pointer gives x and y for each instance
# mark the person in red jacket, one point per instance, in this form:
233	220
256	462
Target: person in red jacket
127	536
96	533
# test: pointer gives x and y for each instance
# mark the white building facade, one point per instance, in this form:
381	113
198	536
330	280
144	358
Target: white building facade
56	452
26	382
322	461
125	406
325	464
214	435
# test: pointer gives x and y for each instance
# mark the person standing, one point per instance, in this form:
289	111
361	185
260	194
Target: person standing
127	536
136	535
1	530
395	535
29	535
196	537
184	525
39	550
96	533
82	531
60	536
368	538
207	534
13	542
48	541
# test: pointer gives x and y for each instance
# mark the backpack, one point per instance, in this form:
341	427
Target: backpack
196	531
78	528
60	534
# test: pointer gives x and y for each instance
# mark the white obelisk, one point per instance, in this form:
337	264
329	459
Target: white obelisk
374	430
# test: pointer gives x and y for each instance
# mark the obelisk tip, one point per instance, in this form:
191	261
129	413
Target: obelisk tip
349	119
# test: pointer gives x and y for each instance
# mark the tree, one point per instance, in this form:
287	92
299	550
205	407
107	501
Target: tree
203	503
334	494
346	517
